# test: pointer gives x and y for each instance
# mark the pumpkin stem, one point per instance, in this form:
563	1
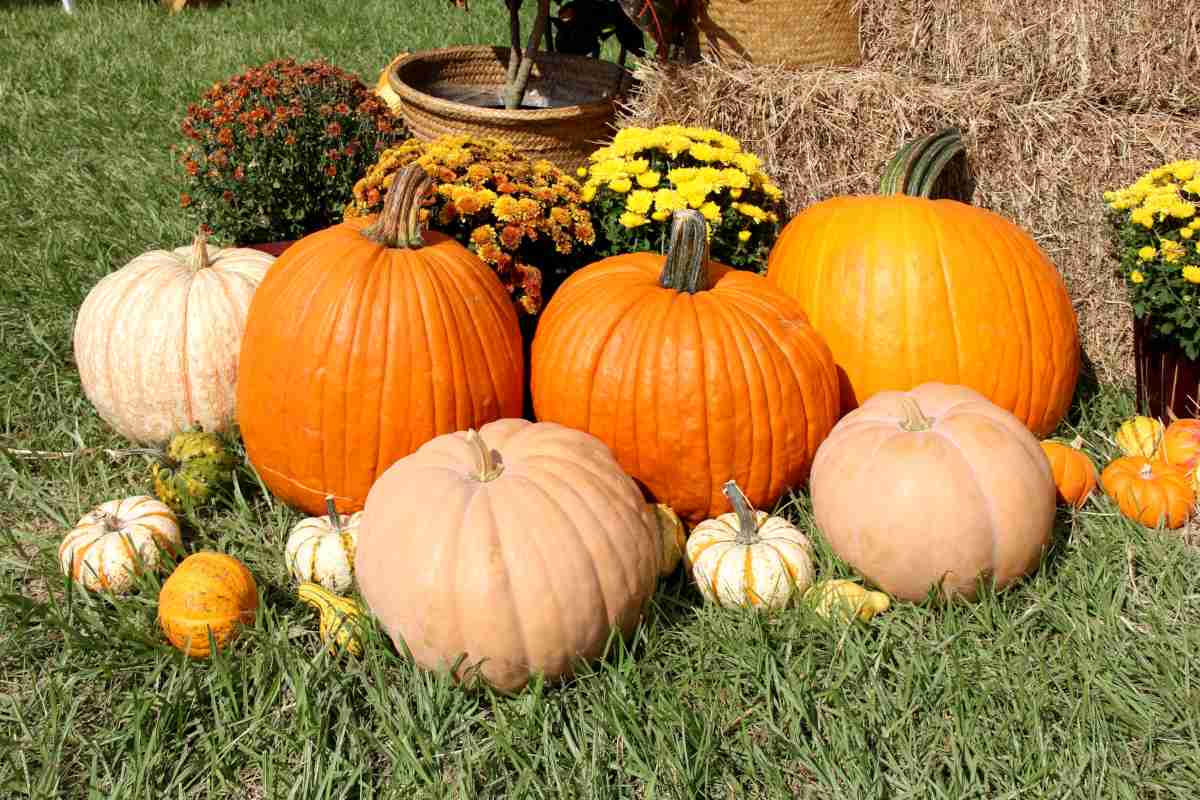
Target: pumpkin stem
111	523
489	466
399	224
914	417
1077	442
686	267
915	169
747	518
1146	472
200	258
335	519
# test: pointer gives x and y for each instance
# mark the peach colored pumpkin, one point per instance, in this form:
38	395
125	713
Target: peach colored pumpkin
1181	444
521	546
157	342
934	485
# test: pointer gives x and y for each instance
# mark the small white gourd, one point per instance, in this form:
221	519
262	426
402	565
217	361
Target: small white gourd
321	549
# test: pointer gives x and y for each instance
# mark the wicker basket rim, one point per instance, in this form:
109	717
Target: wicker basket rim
502	116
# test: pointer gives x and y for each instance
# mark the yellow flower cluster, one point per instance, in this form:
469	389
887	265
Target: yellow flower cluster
1160	195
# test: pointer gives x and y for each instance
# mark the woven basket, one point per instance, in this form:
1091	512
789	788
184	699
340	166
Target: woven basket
790	32
447	92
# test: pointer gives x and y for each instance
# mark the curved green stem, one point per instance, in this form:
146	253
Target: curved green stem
747	518
200	258
914	417
686	267
399	224
335	519
916	168
488	467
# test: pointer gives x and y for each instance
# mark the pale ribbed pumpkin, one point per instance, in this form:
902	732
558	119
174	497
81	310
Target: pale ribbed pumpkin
116	541
521	546
908	290
692	372
936	485
157	341
321	549
365	341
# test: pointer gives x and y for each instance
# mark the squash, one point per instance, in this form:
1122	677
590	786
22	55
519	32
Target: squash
673	535
521	545
340	618
118	540
908	290
321	549
846	599
692	372
193	472
1140	436
157	342
1075	475
1180	444
1149	491
207	593
749	559
362	344
934	487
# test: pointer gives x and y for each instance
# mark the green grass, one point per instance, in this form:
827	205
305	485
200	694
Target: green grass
1082	682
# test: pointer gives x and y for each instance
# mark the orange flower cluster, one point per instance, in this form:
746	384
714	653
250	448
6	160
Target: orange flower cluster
524	218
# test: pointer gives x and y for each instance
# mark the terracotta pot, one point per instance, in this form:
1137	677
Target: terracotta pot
273	248
1168	382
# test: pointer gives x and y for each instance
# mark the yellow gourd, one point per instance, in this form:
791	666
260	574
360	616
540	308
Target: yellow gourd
1139	436
846	598
340	618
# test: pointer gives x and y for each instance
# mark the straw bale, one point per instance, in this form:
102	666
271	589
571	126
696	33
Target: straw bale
1139	54
1044	165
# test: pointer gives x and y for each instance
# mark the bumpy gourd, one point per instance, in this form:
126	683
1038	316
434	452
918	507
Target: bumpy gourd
197	467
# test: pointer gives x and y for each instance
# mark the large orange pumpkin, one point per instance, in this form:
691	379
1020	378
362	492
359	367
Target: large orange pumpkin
908	290
692	372
362	344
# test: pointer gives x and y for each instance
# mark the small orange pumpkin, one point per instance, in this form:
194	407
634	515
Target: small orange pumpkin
1181	444
207	591
1151	492
1075	475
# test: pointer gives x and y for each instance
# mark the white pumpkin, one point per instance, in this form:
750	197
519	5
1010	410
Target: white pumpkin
748	558
157	342
321	549
104	548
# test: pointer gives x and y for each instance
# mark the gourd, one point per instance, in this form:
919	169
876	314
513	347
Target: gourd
118	540
747	558
1149	491
934	488
157	342
340	618
1075	475
1140	436
393	336
196	467
321	549
673	535
207	593
846	599
908	290
1181	444
692	372
517	548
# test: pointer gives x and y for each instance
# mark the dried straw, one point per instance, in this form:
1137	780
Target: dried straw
1042	164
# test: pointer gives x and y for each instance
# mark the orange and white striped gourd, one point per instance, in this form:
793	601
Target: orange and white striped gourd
114	542
1140	436
321	549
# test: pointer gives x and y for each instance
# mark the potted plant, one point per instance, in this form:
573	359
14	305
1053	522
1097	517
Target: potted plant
1157	233
272	154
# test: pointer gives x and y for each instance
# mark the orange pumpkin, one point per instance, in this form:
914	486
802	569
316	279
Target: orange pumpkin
908	290
206	592
362	344
1149	491
1075	475
691	372
1181	444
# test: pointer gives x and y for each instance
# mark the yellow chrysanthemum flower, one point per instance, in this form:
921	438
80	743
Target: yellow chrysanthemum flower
581	172
620	185
711	211
752	211
639	201
637	166
1137	277
735	193
1182	210
734	178
1172	251
743	236
648	179
631	220
1191	274
661	215
1185	233
1147	253
1143	217
747	162
668	200
588	193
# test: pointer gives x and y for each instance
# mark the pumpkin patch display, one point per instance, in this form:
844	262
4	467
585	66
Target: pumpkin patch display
157	342
1149	491
321	549
748	558
196	468
1140	436
1181	444
691	372
908	290
1075	475
934	487
207	592
521	547
365	341
118	540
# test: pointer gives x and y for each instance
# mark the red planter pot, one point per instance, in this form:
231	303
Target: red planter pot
1168	382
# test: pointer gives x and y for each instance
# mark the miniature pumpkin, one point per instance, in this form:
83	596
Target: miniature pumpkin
340	618
748	558
1140	436
1149	491
908	290
847	599
690	371
673	535
1075	475
196	468
931	487
522	546
321	549
116	541
207	592
157	341
1181	444
363	343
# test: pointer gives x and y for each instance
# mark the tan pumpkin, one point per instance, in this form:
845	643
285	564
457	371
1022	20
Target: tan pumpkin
321	549
749	558
157	342
207	593
1140	436
1075	475
118	540
936	486
521	546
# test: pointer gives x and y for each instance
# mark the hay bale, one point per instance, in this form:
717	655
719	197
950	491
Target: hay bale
1140	54
1044	165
